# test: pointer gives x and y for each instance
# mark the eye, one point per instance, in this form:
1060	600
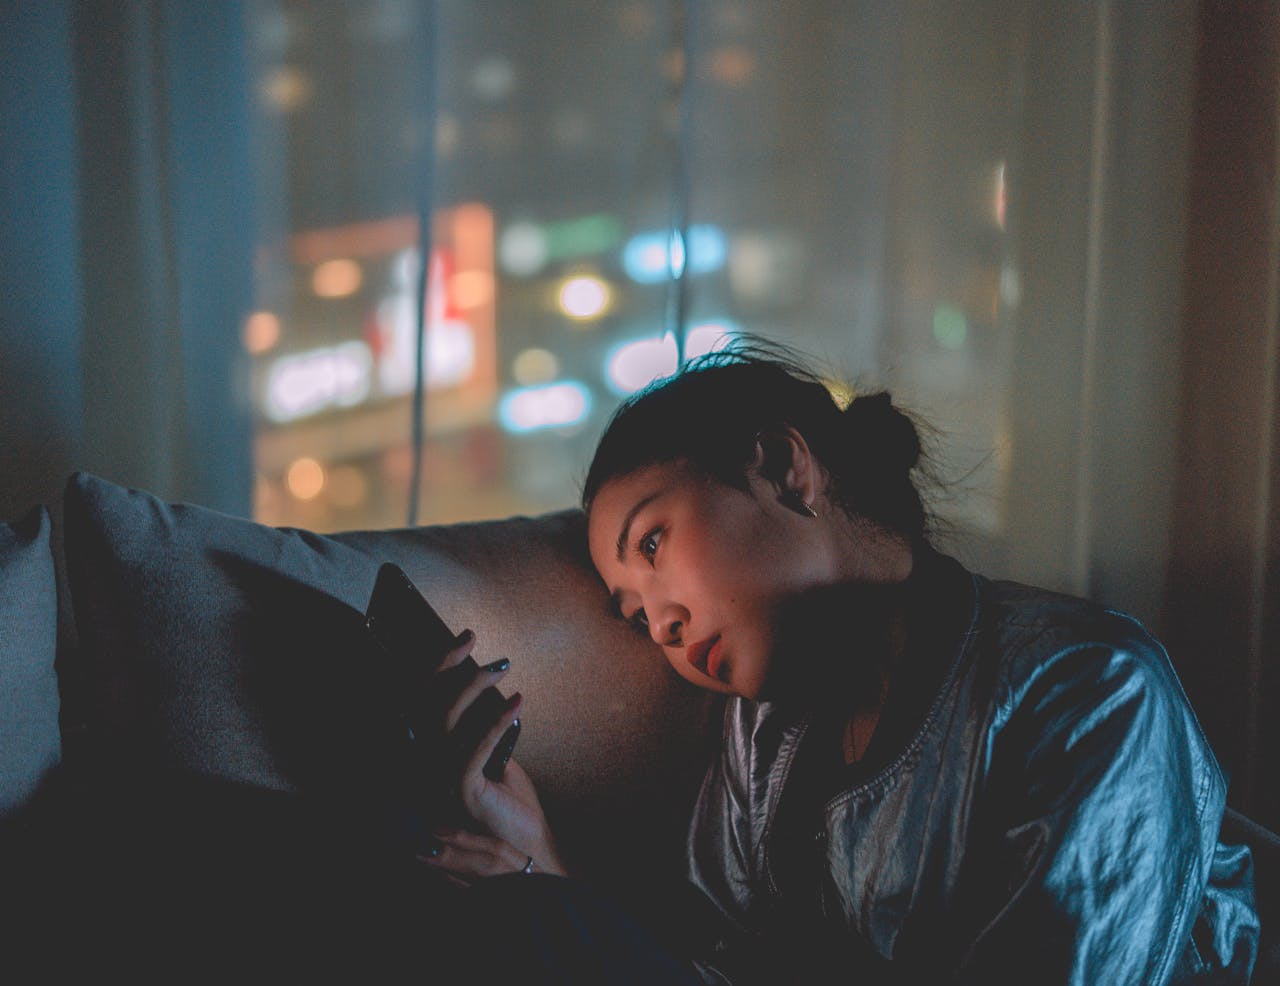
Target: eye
639	622
649	543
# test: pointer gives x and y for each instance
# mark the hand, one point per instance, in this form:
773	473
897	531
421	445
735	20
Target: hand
465	856
507	812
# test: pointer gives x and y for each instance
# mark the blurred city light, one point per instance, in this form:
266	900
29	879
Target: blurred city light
522	249
636	364
556	405
1001	196
261	332
493	78
337	278
450	356
950	327
535	366
305	478
287	88
525	247
306	383
708	337
471	288
651	257
584	296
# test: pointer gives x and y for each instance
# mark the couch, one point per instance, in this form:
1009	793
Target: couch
190	766
189	751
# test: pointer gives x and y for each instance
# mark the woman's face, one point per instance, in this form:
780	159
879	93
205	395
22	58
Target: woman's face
704	568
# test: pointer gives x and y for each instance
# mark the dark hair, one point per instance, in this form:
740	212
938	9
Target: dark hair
711	411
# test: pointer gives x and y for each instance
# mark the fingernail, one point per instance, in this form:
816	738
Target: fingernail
464	636
431	848
514	700
499	665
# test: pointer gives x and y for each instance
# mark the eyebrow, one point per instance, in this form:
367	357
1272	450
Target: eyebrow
627	521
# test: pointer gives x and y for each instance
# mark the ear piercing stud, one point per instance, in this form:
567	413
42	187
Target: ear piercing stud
793	500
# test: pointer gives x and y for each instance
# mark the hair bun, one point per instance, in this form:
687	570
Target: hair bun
882	432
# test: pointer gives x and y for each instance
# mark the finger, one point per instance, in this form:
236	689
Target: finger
482	678
474	725
466	641
470	856
475	764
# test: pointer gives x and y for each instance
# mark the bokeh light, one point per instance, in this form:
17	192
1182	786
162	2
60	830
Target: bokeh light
261	332
337	278
305	478
535	366
584	297
556	405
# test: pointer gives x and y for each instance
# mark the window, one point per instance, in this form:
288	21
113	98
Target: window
799	165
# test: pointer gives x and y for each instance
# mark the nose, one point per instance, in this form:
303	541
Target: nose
667	625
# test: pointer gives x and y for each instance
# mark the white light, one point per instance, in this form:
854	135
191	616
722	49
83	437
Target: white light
708	337
522	249
493	78
306	383
556	405
584	296
637	364
451	349
677	253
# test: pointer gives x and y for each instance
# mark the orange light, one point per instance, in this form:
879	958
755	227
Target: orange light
287	88
337	278
733	66
305	479
471	288
261	332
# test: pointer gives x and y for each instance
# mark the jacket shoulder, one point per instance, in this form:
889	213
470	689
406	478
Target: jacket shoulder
1029	625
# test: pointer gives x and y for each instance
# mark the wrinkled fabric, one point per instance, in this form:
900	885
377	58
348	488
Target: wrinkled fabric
1053	819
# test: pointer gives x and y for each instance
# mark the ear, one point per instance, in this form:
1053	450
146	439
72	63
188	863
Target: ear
783	458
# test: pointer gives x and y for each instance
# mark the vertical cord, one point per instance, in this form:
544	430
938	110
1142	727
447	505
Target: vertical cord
426	170
677	285
1086	451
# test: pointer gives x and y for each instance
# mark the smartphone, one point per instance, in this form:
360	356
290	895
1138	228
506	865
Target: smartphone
414	640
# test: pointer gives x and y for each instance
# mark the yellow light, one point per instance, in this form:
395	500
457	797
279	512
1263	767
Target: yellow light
287	88
584	297
534	366
261	332
305	479
840	392
337	278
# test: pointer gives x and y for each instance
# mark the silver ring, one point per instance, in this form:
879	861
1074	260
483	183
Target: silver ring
528	867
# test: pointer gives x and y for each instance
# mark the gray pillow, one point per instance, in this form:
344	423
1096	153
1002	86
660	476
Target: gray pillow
29	739
213	644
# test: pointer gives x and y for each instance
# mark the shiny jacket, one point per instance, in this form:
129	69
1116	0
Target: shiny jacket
1052	816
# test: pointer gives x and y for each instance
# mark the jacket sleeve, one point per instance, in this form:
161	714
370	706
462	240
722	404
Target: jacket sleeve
1103	803
720	851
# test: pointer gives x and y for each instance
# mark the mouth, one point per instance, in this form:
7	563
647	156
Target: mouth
706	657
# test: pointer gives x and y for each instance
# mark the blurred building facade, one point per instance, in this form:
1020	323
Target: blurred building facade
1048	228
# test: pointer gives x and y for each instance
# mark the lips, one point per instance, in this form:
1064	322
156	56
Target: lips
705	656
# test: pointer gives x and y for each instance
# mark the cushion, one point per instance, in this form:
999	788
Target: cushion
29	739
214	645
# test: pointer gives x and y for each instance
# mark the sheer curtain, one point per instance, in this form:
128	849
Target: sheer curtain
225	223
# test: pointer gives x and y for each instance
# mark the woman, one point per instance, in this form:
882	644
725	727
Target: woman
925	775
